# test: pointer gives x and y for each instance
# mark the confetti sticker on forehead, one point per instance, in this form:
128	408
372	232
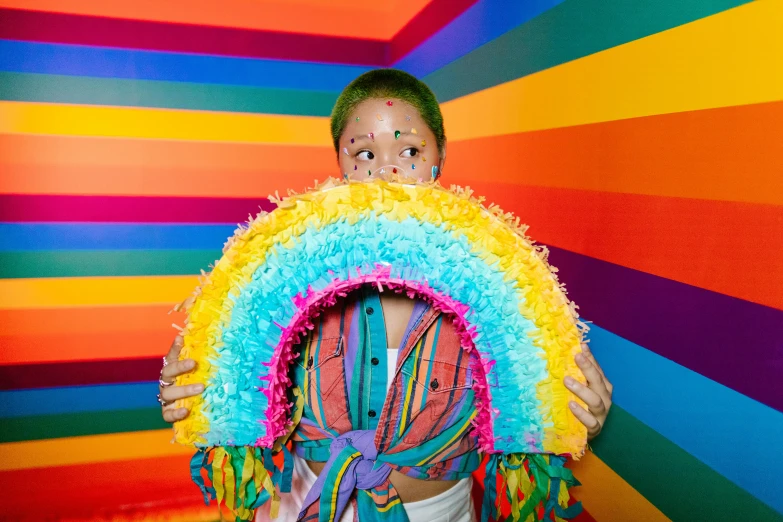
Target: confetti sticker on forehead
352	140
357	118
407	118
372	136
413	166
389	103
397	134
423	143
379	117
414	131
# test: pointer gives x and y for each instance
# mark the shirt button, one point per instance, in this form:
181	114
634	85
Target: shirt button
374	361
434	384
371	413
370	311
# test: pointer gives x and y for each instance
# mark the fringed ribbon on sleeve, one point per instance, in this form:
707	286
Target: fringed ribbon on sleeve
534	486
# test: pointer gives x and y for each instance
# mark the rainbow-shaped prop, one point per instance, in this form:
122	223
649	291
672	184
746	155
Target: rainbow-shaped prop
440	245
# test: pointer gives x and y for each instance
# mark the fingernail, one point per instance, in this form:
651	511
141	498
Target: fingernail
190	364
572	405
198	388
569	381
580	358
181	413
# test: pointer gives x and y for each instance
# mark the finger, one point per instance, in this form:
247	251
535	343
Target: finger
173	393
175	348
174	369
594	379
586	418
171	414
593	400
589	354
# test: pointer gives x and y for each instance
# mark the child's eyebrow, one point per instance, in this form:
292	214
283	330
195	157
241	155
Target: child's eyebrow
366	137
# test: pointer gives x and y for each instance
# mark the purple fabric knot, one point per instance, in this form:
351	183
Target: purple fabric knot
351	465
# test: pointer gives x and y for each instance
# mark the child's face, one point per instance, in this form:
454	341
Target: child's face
387	137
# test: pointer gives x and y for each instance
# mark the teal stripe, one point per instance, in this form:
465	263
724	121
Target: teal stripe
569	31
52	88
39	427
677	483
85	263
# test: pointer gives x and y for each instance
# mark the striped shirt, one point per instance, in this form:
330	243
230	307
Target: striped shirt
421	428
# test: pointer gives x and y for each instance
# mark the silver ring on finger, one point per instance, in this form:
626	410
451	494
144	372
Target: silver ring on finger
164	402
161	382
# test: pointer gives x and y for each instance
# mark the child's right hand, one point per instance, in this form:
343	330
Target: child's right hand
171	393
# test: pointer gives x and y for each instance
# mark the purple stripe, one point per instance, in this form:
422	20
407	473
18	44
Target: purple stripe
734	342
184	38
353	346
129	209
434	17
47	375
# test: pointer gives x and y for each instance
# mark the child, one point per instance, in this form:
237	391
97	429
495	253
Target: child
361	369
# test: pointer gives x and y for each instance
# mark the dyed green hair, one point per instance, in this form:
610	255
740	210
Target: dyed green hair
388	83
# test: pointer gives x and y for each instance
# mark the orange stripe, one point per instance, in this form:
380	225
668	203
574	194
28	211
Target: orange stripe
731	248
78	165
324	17
732	153
69	321
606	496
89	449
84	489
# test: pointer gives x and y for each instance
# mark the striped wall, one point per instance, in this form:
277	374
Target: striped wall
640	140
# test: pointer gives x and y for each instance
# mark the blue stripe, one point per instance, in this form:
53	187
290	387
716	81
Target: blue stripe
478	25
75	399
111	236
733	434
81	60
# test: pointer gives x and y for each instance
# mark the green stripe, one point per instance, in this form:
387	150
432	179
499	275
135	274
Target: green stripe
677	483
571	30
85	263
77	424
167	95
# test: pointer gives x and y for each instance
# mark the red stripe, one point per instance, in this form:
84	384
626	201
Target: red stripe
92	489
434	17
44	375
121	209
158	36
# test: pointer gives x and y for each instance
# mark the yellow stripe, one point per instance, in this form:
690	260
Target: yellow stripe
607	497
409	392
94	291
457	435
390	505
131	122
89	449
723	60
335	487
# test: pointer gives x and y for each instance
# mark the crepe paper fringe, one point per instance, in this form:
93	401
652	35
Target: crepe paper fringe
242	478
246	315
535	487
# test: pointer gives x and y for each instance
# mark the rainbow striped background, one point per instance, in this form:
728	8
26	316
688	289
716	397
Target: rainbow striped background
640	140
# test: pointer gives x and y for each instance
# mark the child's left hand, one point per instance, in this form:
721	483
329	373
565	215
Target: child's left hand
597	394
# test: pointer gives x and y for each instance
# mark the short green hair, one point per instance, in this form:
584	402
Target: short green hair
388	83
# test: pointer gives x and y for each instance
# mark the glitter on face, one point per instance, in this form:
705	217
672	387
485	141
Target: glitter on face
413	131
394	170
352	140
369	173
413	166
355	167
423	143
345	150
389	103
357	118
423	158
397	134
379	117
372	136
383	171
407	118
434	172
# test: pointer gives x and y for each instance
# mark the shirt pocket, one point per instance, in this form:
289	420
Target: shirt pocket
322	371
439	376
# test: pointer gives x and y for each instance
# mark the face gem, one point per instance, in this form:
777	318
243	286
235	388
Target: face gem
372	136
394	170
434	172
413	166
345	150
389	103
355	167
423	143
397	134
407	118
379	117
423	158
352	140
414	131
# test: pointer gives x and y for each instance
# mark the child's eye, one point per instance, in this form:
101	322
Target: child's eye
365	155
409	153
